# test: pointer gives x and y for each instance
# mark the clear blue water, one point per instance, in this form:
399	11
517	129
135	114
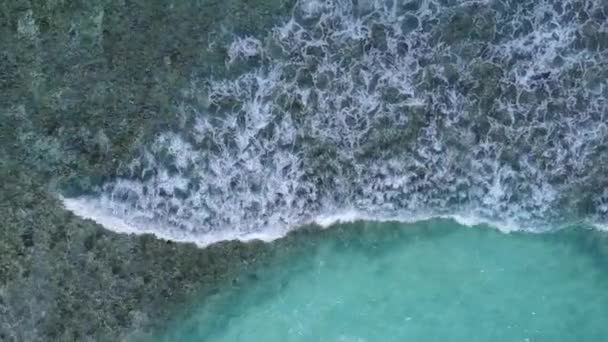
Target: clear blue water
428	281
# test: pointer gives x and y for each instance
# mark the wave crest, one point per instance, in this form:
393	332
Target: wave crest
392	109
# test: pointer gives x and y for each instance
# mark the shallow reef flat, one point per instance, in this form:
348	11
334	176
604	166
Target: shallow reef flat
82	85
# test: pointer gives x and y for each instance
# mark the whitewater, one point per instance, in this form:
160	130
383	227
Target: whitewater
483	111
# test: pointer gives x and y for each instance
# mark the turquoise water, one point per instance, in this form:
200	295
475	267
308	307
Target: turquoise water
429	281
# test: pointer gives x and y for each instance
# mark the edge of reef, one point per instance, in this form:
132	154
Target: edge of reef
65	278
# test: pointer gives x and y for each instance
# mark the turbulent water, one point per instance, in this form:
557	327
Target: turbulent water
494	111
429	281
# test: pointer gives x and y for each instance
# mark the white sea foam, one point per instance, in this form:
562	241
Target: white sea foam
351	216
244	48
92	210
486	112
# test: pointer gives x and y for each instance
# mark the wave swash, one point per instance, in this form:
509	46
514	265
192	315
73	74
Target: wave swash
386	110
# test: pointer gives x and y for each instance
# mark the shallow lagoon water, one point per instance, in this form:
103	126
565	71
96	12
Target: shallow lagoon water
428	281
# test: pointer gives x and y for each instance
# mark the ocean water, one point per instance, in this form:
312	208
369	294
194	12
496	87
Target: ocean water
426	281
463	120
490	111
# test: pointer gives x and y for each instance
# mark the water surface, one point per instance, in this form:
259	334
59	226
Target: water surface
391	109
429	281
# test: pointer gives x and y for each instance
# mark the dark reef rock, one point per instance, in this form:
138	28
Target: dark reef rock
82	85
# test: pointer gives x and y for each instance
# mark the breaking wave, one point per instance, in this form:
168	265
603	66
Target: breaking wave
385	110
